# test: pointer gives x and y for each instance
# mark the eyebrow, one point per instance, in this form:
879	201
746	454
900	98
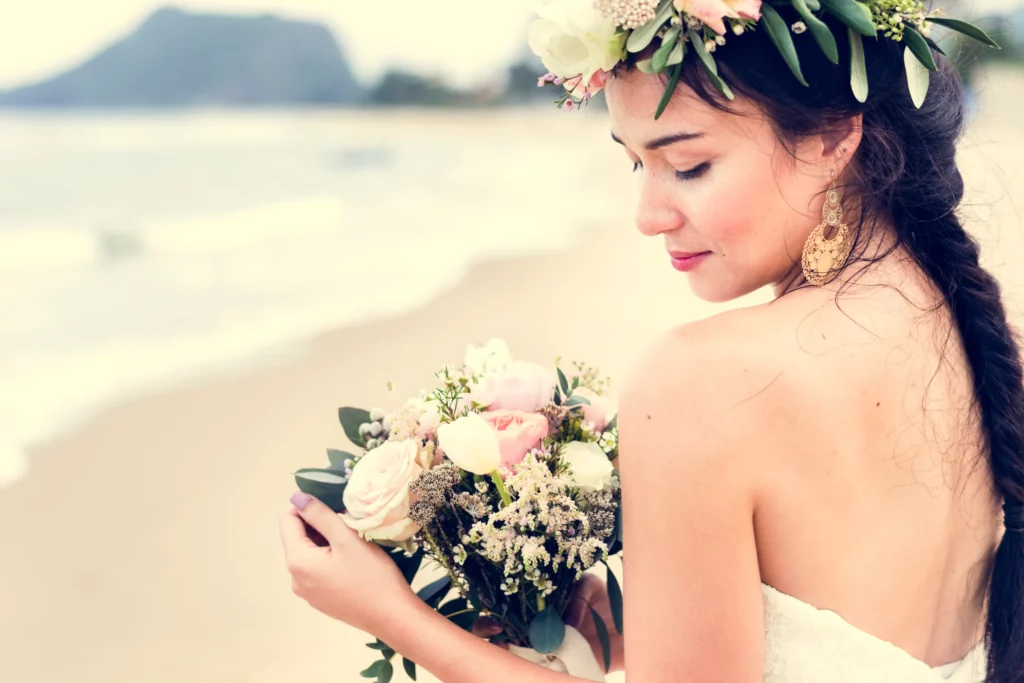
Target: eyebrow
665	141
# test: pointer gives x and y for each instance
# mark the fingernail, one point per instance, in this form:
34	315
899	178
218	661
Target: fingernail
300	500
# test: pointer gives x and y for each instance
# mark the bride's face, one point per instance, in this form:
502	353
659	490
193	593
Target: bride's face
733	206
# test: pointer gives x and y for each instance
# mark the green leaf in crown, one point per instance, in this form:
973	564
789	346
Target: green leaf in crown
582	41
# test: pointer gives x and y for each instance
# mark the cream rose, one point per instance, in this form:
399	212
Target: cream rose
488	359
573	38
714	12
591	469
521	386
377	496
518	433
471	443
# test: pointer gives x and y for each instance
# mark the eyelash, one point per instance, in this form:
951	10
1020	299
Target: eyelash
692	174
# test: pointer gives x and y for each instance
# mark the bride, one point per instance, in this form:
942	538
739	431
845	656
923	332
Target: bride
828	487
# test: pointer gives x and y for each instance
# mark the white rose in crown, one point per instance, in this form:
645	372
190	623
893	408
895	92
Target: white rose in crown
591	469
573	37
471	443
488	359
377	496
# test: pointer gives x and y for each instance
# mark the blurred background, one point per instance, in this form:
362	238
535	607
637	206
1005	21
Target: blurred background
221	220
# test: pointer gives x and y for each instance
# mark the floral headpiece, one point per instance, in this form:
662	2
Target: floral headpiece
582	41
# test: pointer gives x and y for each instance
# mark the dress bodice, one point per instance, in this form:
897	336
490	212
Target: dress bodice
804	644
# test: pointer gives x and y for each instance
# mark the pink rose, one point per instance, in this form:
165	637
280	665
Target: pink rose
600	411
521	386
377	496
518	433
714	12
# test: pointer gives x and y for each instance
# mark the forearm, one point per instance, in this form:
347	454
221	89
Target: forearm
455	656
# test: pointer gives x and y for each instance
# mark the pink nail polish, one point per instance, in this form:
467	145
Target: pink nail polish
300	500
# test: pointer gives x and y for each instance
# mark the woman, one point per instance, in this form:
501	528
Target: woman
823	474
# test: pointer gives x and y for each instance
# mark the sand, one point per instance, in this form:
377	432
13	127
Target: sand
143	547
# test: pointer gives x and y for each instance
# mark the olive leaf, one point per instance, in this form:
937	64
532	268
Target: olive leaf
778	31
916	42
858	67
853	14
822	35
677	71
661	55
966	29
918	77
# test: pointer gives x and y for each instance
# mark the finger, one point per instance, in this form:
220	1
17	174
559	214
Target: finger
293	535
322	518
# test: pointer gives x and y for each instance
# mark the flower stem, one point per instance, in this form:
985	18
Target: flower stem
502	491
540	602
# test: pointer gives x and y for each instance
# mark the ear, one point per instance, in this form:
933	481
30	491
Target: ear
838	144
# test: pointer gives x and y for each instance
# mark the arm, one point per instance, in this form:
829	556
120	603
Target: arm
693	600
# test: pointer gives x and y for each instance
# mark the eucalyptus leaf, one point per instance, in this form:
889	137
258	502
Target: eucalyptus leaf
379	645
410	668
678	53
822	35
702	51
434	593
666	96
387	653
371	671
385	671
351	419
453	606
337	458
641	37
602	637
661	55
547	630
916	42
778	31
966	29
327	486
578	401
852	14
575	383
562	381
858	67
918	77
615	598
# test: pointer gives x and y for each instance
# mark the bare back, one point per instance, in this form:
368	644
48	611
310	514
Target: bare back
877	500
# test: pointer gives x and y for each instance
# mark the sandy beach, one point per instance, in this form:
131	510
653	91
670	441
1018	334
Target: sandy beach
143	547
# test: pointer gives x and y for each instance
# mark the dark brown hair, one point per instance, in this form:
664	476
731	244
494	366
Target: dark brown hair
905	175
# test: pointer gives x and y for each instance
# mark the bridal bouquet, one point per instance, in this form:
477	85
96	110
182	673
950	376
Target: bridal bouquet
502	478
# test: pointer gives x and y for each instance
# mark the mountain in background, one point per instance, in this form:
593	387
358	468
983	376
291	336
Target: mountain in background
176	59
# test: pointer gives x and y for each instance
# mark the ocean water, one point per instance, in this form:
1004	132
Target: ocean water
145	249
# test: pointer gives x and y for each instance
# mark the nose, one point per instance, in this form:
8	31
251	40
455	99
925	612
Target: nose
656	213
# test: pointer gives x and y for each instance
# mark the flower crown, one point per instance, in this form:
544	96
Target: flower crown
582	41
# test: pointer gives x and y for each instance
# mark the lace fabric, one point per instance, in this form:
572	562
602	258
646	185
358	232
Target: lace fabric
804	644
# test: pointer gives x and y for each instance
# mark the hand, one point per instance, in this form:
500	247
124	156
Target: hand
351	580
591	591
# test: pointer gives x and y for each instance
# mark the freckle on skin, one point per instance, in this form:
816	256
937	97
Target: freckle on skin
878	404
648	417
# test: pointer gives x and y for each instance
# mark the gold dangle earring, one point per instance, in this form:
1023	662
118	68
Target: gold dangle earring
824	258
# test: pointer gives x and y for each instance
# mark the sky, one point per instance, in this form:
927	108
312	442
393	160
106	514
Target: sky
454	38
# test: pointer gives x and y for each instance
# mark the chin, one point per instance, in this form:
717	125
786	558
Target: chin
715	290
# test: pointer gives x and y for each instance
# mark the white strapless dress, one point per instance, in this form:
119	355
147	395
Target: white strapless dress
804	644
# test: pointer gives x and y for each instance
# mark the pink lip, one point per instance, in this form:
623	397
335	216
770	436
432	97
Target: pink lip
685	262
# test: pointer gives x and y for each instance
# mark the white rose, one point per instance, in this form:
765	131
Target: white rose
471	443
377	496
573	37
591	469
521	386
600	411
492	357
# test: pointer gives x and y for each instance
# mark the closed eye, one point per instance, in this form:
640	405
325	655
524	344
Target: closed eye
695	172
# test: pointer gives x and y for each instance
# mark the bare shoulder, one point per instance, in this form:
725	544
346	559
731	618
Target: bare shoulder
753	375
